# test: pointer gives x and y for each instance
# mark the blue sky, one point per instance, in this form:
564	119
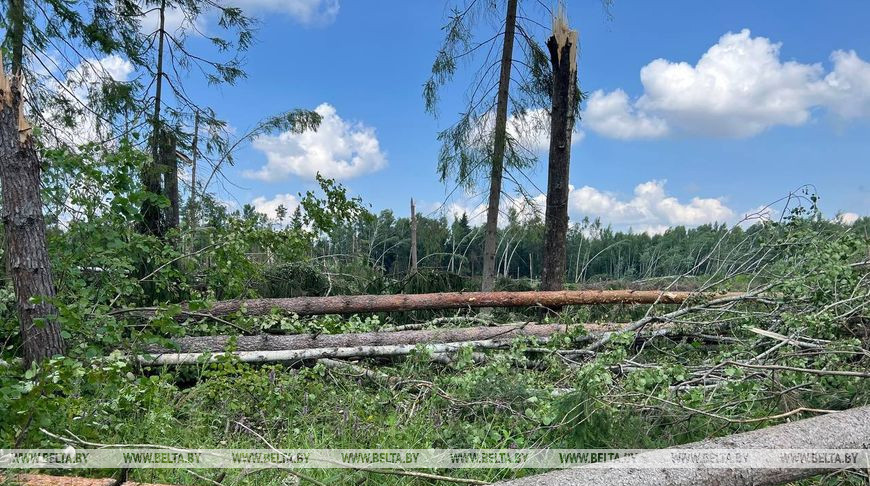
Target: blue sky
772	95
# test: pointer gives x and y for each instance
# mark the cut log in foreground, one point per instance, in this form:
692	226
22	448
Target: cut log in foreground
843	430
46	480
351	304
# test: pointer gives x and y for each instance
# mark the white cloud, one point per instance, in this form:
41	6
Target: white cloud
738	88
611	115
532	130
847	218
650	210
174	21
526	209
455	210
846	90
760	214
338	149
78	85
308	12
269	207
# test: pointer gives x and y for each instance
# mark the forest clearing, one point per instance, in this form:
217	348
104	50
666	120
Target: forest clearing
539	331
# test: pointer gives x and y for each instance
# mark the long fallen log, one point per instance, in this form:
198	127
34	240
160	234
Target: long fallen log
352	304
843	430
318	353
266	342
266	348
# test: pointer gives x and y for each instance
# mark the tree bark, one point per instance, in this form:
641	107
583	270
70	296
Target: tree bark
169	164
151	173
413	238
194	153
352	304
563	56
849	429
266	342
27	258
495	179
319	353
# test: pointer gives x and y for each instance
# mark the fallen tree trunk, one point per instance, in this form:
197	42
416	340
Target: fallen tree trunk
319	353
843	430
351	304
266	342
266	348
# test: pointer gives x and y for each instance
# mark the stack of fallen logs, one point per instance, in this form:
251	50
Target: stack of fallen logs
844	430
265	348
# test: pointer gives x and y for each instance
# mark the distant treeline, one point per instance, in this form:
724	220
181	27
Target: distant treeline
595	251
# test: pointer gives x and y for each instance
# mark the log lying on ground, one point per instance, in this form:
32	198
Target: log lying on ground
266	348
843	430
319	353
351	304
266	342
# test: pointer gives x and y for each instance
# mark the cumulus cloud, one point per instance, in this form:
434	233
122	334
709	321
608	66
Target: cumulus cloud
847	218
846	90
738	88
307	12
611	115
338	149
269	207
532	130
651	209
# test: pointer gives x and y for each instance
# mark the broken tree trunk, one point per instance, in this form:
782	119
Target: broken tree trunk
258	349
351	304
843	430
319	353
563	57
265	342
26	256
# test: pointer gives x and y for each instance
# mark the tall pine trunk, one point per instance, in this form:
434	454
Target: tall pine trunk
27	261
152	220
194	153
169	164
413	238
563	56
490	241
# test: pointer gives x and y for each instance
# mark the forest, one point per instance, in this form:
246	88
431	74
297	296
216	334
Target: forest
139	310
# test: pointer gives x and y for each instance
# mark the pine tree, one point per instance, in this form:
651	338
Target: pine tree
479	144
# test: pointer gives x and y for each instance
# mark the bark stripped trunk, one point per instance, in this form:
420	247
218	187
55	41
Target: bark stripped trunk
27	258
413	238
843	430
495	179
563	56
352	304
